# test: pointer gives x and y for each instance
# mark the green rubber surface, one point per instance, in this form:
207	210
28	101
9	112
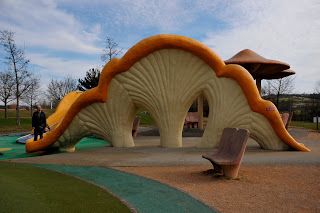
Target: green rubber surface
18	150
143	194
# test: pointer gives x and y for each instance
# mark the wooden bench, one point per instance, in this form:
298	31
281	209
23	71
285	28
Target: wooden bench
226	161
192	119
286	118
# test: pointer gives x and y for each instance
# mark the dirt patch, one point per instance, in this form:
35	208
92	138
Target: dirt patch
258	188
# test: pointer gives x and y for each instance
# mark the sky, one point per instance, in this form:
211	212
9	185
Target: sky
65	37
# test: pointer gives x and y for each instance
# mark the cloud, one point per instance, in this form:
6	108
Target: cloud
43	24
54	67
52	36
48	67
286	30
164	15
58	31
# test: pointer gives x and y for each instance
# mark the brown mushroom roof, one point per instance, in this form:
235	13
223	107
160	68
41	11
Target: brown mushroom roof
282	74
258	66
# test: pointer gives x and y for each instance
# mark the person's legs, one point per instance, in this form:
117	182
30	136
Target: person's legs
41	133
35	134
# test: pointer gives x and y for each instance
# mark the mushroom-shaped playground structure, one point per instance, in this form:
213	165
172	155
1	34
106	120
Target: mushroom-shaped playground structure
260	67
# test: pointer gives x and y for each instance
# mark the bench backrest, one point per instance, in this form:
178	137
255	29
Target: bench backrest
233	143
286	119
192	117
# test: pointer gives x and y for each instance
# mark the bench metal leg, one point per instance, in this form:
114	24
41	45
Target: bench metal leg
231	171
217	169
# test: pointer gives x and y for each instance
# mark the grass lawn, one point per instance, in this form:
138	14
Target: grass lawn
307	125
145	118
23	113
9	125
25	188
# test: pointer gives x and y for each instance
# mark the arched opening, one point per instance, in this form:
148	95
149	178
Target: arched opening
192	121
148	132
195	121
145	131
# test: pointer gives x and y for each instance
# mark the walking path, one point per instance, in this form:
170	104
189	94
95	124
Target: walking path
143	194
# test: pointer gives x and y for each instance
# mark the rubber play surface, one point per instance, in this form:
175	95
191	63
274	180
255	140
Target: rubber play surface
18	150
145	195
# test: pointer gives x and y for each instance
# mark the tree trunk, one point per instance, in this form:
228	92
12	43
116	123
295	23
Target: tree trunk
258	83
317	114
279	92
18	113
31	107
5	110
17	103
17	84
277	102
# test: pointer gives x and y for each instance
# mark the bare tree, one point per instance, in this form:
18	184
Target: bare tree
281	86
18	63
266	89
111	50
317	100
6	89
42	99
31	96
57	89
317	88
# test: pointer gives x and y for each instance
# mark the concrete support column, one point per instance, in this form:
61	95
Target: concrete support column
171	125
122	138
258	83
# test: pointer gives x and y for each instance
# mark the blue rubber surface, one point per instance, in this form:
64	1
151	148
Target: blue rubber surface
145	195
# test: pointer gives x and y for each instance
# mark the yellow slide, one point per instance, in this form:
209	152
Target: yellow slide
54	119
62	109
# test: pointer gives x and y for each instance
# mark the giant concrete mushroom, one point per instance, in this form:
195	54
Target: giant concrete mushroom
260	67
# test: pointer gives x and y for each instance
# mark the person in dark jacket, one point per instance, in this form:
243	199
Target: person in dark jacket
39	123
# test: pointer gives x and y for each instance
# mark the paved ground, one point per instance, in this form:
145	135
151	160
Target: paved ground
269	181
148	153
